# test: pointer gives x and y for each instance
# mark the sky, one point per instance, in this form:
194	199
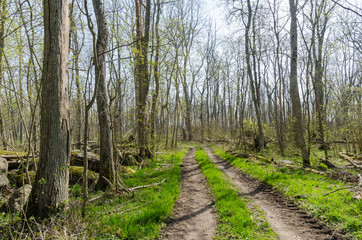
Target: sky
216	11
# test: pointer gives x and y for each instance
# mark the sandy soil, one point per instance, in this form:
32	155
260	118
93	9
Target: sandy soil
284	216
194	216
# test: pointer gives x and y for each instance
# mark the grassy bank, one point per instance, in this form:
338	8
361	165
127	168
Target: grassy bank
235	220
137	215
312	191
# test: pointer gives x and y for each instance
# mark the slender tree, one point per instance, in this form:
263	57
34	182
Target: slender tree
107	171
294	92
3	4
156	73
253	77
142	81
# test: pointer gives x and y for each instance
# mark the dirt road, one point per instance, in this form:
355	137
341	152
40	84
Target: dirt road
193	216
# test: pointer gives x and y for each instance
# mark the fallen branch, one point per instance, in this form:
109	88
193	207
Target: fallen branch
96	198
169	165
146	186
354	189
336	190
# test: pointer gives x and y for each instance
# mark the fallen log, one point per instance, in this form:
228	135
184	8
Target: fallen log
328	163
93	161
347	158
14	164
11	157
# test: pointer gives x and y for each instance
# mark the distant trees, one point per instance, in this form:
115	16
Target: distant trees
163	74
50	190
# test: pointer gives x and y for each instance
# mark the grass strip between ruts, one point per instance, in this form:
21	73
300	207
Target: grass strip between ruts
235	220
337	209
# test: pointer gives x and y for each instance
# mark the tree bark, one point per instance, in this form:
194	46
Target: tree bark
294	92
50	190
106	146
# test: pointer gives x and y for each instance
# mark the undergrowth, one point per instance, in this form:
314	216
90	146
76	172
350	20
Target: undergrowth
235	220
140	215
312	191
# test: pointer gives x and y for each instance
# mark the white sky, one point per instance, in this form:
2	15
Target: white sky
216	11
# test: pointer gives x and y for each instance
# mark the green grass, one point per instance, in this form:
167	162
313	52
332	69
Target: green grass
127	216
338	209
235	220
151	206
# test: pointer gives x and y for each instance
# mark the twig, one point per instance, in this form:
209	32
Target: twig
96	198
336	190
145	186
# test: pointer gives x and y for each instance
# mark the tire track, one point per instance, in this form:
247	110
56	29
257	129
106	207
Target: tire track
194	216
284	216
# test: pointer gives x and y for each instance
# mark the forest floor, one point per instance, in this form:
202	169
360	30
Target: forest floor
193	215
206	193
284	217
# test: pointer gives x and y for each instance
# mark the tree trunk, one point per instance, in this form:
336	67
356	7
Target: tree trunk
294	92
50	190
254	89
156	76
106	147
141	73
3	4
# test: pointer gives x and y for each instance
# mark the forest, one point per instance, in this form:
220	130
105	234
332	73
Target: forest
183	119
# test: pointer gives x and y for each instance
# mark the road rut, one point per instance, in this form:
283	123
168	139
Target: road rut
284	216
194	216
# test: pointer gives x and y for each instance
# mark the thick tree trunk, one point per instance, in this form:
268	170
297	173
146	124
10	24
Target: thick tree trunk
294	92
106	145
50	190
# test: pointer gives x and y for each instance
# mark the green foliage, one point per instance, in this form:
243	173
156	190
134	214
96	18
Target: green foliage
235	219
141	216
338	209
